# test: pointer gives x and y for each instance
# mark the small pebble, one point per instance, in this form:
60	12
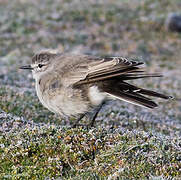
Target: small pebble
173	22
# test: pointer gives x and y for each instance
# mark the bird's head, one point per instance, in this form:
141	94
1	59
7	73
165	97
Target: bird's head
42	62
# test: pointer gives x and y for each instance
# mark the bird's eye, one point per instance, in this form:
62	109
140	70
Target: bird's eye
40	65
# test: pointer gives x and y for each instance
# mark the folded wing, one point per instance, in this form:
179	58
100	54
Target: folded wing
110	75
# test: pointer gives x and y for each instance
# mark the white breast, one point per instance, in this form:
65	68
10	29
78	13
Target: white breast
62	101
96	97
42	98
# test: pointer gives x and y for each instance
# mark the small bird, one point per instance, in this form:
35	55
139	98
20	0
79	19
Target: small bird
74	85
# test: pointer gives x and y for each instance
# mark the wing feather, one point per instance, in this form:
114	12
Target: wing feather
102	69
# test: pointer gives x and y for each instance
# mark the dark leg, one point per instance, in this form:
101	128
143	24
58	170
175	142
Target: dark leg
77	121
94	116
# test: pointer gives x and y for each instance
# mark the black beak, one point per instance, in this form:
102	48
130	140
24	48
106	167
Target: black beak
26	67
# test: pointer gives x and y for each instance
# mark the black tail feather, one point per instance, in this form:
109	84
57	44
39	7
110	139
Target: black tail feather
154	94
133	98
127	92
126	86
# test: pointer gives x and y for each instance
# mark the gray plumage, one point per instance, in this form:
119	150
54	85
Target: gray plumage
70	84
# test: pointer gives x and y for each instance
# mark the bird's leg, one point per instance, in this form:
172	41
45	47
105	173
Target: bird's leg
94	116
77	121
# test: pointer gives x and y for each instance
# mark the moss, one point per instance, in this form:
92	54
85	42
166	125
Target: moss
20	104
51	151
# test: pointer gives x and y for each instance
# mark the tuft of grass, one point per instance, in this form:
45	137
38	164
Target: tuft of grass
51	151
21	104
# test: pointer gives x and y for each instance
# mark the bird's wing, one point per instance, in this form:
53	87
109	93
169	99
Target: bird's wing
113	72
94	70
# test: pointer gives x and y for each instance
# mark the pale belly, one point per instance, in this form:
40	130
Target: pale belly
67	102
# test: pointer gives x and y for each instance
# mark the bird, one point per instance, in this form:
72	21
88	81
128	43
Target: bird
78	84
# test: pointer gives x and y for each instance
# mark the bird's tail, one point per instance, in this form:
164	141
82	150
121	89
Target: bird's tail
132	94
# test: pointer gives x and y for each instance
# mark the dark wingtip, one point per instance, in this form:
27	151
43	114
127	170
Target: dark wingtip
171	97
167	97
151	105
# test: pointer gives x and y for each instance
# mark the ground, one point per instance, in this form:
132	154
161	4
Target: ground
128	142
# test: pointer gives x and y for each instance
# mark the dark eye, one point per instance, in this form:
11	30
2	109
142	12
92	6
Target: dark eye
40	65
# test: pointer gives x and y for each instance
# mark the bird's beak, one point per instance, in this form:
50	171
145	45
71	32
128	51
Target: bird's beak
26	67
